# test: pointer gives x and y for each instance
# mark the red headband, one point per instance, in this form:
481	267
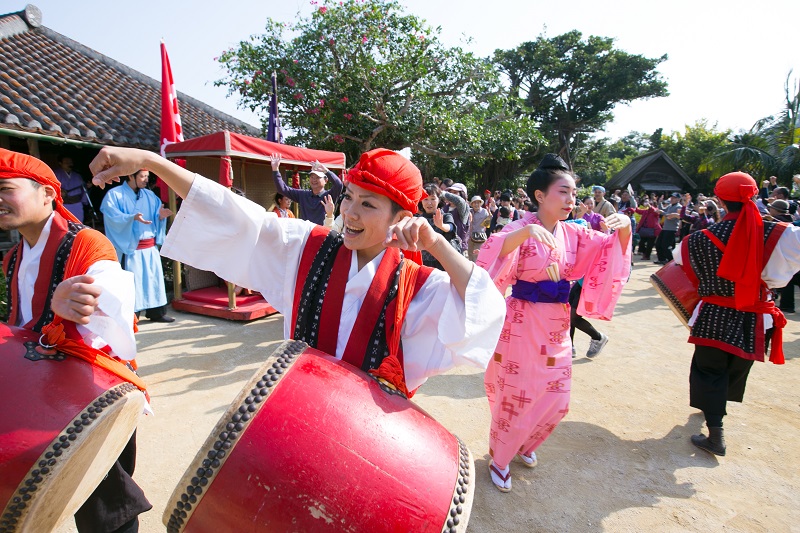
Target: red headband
744	252
736	187
389	174
16	165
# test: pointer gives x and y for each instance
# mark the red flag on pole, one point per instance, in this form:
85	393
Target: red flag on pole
171	128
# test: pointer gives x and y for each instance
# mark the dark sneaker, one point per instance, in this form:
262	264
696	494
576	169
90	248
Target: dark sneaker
595	347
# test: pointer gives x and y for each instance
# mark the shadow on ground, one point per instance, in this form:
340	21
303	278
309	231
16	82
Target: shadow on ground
614	473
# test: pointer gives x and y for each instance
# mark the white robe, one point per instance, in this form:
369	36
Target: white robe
239	241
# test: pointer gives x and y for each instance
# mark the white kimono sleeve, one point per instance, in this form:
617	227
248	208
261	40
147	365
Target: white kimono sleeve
441	331
785	259
239	241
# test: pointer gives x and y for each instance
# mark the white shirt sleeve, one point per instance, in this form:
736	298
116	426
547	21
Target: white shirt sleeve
112	322
785	259
222	232
441	331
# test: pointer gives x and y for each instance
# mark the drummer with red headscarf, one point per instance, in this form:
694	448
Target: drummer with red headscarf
353	295
63	280
734	263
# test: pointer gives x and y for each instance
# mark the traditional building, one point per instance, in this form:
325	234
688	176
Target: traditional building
652	172
59	97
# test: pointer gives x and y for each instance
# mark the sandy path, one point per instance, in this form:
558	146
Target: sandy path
620	461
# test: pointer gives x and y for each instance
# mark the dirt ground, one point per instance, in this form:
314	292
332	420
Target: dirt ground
620	461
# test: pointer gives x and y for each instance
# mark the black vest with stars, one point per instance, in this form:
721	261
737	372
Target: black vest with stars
724	327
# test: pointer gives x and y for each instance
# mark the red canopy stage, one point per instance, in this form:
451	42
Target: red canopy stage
244	162
235	145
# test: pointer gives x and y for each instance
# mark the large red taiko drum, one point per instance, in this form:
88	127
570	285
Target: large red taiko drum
63	424
677	290
314	444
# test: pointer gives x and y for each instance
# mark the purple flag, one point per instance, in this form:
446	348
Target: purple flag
274	133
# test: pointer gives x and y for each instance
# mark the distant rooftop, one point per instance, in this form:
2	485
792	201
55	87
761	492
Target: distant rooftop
54	86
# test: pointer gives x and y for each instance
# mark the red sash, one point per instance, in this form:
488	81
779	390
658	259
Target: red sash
146	243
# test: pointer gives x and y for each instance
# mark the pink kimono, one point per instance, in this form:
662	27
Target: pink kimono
528	380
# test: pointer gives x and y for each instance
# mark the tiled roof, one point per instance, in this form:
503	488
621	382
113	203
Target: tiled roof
52	85
640	163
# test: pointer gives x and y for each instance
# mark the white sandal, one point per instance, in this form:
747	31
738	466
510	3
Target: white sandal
529	460
500	478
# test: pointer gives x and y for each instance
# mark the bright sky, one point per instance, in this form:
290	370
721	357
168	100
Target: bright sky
728	59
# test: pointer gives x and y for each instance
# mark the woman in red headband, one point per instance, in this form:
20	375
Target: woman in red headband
352	295
734	263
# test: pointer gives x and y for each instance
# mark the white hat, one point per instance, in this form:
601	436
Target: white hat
476	199
458	187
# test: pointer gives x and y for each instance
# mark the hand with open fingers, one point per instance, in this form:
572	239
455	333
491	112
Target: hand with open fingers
163	213
329	205
316	165
438	219
138	217
540	234
112	162
76	298
275	161
616	221
582	209
603	226
412	234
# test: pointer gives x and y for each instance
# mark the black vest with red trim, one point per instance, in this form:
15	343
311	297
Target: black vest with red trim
319	294
725	328
51	272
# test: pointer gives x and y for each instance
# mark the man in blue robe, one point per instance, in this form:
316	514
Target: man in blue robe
135	223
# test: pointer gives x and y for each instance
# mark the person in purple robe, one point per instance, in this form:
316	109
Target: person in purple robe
73	192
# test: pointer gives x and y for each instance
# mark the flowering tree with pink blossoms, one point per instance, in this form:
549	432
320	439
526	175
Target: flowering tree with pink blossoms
356	74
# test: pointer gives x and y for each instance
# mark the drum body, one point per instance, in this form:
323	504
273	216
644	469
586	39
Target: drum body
313	444
64	422
677	290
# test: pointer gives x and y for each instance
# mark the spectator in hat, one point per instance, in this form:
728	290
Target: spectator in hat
477	230
456	204
779	211
601	205
311	201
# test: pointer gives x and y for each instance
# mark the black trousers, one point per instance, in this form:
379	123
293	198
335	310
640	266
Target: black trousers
715	378
577	321
646	246
787	294
116	503
665	242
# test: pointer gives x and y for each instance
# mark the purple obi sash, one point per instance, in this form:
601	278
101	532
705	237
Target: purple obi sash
546	291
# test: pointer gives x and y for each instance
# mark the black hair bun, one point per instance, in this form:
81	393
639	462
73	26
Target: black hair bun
552	161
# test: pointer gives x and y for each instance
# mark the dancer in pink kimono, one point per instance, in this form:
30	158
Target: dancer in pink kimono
528	380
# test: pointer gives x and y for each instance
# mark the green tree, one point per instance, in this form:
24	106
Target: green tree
570	86
692	147
358	75
769	148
